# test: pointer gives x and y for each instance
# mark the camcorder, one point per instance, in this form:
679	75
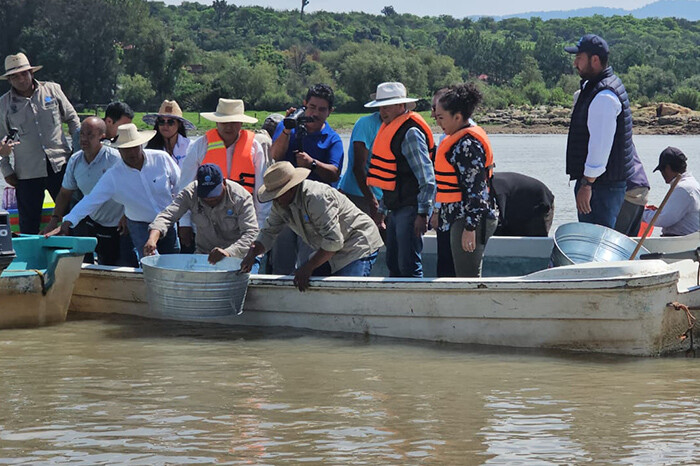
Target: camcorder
12	135
298	121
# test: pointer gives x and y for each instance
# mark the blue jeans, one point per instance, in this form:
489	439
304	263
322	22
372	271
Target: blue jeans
403	247
358	268
139	235
606	200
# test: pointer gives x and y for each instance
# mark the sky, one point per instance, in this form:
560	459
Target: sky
454	8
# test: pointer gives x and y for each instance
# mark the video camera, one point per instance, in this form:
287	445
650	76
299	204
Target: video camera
297	119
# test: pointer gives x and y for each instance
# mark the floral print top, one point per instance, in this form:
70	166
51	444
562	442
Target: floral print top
468	159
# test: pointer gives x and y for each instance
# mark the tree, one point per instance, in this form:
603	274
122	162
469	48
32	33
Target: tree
303	4
136	90
389	11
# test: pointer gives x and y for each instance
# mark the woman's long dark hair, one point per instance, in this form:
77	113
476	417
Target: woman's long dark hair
461	98
158	142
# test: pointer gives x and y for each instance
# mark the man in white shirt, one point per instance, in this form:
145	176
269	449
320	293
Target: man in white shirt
681	214
600	150
83	171
145	182
239	156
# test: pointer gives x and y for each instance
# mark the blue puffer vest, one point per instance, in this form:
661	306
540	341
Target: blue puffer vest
620	162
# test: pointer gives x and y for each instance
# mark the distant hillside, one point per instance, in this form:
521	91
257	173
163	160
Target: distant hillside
686	9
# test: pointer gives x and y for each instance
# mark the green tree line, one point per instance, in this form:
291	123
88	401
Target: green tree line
143	52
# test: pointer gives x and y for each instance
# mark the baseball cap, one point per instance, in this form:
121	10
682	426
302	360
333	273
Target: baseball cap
209	180
669	156
591	44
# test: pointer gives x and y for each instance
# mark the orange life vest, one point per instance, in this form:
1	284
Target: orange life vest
448	189
242	167
383	166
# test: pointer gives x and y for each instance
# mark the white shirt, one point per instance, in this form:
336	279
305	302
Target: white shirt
602	122
180	149
83	176
194	158
144	193
681	214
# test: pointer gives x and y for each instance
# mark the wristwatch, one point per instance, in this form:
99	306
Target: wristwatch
585	182
313	165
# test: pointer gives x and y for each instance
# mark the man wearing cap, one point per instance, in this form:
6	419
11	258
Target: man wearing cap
83	171
34	111
222	211
239	156
401	166
599	150
344	238
681	214
145	183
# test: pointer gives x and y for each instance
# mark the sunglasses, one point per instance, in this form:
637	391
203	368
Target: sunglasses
169	122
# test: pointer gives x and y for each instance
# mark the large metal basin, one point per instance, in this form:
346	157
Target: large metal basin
187	285
578	243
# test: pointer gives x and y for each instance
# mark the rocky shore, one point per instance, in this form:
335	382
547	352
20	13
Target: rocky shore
663	118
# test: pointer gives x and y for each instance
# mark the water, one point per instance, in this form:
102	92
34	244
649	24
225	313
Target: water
544	157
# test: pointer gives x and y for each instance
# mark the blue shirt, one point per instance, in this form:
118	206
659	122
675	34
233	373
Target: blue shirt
364	131
324	145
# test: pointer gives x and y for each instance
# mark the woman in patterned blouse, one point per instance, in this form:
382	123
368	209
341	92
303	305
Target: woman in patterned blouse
472	216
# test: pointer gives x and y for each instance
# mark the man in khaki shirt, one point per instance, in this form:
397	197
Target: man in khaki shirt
222	211
345	238
33	112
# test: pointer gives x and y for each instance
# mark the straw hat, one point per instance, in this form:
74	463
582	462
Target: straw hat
229	111
16	64
390	94
169	109
280	178
128	136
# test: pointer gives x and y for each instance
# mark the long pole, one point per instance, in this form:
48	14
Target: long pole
653	219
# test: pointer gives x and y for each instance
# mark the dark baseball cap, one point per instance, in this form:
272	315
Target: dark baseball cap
209	180
590	44
669	156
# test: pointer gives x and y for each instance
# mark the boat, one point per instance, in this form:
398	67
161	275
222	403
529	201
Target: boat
36	287
622	307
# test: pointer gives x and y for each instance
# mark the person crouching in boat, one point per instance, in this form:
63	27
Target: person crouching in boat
345	238
222	211
463	168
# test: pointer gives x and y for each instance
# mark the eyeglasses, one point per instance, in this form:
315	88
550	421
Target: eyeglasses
169	122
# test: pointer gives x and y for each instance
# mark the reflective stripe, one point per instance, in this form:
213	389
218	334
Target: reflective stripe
242	166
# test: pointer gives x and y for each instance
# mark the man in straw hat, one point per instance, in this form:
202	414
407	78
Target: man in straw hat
401	166
681	214
235	150
222	211
31	116
346	239
145	183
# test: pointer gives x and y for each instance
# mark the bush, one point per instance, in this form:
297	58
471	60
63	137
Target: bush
536	93
134	89
274	100
686	97
557	96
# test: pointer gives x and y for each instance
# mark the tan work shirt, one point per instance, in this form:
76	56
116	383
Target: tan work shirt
324	219
230	225
39	120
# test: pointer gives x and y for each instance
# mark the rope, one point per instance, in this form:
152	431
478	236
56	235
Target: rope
41	278
689	316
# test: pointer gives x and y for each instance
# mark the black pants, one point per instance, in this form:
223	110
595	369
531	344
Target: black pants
30	198
108	242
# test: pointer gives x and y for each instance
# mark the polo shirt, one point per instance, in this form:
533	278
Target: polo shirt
364	131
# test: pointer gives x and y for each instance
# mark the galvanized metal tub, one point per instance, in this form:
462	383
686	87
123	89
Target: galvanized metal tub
578	243
187	285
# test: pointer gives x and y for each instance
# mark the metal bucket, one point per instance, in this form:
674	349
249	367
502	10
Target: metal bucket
578	243
187	285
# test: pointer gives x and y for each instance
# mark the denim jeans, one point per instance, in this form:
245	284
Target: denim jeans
358	268
403	247
139	235
606	201
289	252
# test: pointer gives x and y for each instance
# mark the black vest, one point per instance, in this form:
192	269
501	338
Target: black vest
620	162
406	192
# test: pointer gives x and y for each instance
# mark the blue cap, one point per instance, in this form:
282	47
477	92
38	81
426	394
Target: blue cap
590	44
209	180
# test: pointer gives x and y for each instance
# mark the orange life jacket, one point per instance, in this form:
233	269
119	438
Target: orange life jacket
383	166
448	189
242	167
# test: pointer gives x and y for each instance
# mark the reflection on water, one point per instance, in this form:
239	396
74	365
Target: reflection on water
146	392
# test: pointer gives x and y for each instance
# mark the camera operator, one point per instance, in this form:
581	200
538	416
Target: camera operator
321	147
306	141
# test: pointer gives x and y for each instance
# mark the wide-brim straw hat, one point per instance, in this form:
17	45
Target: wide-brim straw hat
169	109
16	64
129	136
229	111
280	178
391	94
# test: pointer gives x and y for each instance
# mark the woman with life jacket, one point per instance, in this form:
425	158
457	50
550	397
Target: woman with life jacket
463	169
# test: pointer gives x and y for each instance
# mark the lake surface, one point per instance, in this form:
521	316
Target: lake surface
123	390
